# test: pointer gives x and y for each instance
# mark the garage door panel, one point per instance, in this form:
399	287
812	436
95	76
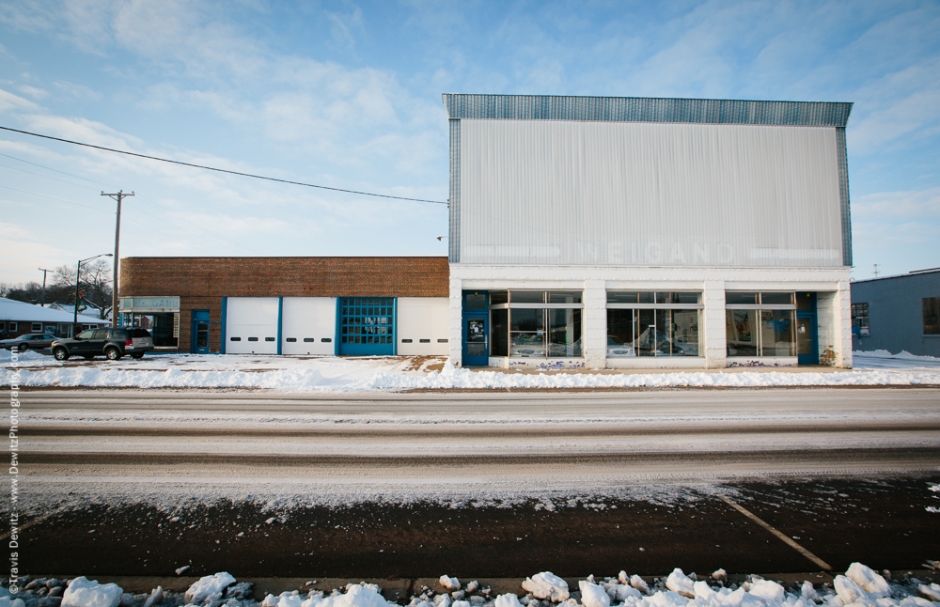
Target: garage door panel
251	325
423	326
308	325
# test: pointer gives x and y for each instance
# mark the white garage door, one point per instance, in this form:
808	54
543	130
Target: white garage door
308	325
251	325
423	325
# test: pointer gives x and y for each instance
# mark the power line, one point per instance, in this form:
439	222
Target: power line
218	170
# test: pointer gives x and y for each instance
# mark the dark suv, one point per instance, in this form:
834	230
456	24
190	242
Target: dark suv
111	342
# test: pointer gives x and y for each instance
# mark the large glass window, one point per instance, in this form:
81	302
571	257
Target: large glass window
536	324
163	326
760	324
653	323
931	307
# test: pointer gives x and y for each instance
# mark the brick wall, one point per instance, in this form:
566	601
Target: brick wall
284	276
202	282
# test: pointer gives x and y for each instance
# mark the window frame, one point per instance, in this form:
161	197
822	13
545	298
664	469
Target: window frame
663	306
759	332
936	316
546	330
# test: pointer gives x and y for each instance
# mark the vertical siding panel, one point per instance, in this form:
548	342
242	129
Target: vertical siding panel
567	192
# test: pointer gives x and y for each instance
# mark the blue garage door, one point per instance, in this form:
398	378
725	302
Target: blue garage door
367	326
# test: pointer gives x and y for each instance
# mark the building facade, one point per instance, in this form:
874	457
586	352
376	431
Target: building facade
898	313
607	232
289	305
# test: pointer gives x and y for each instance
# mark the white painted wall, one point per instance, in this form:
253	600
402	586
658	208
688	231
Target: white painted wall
713	282
308	318
424	318
586	193
247	317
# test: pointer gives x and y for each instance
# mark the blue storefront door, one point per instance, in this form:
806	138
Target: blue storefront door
200	332
807	336
476	342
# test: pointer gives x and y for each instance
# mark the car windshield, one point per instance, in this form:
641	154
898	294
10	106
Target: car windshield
140	333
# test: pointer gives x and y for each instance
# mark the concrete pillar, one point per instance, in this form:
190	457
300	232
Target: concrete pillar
455	320
714	334
842	325
594	324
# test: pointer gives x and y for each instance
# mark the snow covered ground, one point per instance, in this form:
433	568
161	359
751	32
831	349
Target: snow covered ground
859	587
331	374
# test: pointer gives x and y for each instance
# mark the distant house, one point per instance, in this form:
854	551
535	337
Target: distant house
898	313
90	310
18	318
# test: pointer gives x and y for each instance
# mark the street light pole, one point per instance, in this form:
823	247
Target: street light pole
117	254
78	276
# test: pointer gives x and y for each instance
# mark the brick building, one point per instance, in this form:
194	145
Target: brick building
285	305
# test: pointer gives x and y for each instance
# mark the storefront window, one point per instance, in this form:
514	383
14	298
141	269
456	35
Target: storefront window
760	324
536	324
164	326
653	323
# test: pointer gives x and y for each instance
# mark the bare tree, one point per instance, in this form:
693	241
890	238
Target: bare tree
95	280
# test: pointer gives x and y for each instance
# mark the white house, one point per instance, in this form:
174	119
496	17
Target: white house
607	232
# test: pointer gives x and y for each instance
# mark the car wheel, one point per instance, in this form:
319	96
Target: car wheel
112	353
138	355
61	354
23	347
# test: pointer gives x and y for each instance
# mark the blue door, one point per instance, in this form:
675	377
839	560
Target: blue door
476	342
366	326
200	332
807	339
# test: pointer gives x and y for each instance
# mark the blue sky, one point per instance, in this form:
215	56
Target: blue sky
348	94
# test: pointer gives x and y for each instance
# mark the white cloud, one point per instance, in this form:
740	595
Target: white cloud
9	101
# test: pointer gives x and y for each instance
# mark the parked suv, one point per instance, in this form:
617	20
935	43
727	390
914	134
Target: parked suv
29	341
111	342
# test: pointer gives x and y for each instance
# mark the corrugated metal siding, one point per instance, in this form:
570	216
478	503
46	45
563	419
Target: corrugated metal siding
453	205
844	204
640	109
647	194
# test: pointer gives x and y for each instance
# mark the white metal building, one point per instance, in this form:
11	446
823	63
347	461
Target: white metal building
628	232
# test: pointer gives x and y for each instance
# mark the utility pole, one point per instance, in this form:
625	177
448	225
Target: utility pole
117	254
876	270
44	270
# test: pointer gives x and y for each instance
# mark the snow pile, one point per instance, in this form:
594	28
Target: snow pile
547	585
331	374
902	355
208	586
83	592
449	584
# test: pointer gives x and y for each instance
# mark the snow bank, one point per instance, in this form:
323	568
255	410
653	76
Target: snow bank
369	378
859	587
207	586
332	374
903	355
83	592
547	585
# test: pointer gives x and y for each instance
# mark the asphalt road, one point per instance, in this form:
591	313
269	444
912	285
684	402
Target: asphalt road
486	485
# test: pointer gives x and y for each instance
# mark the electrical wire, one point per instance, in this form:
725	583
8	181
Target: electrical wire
218	170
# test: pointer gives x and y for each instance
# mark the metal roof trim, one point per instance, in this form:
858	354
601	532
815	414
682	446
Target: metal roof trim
648	109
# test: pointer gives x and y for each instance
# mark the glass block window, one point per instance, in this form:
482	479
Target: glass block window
860	324
367	325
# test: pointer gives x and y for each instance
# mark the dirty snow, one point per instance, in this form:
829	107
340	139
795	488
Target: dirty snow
332	374
83	592
859	586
